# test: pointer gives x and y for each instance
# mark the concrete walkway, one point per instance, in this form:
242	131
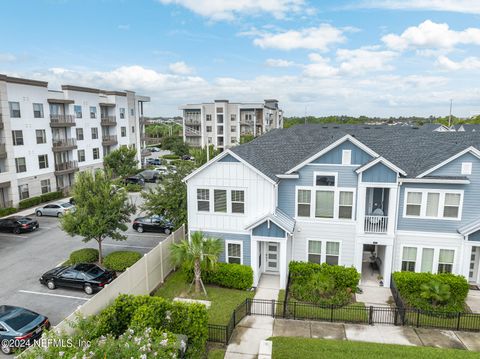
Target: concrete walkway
248	334
473	300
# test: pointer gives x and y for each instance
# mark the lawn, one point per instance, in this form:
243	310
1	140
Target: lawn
224	300
306	348
467	321
216	354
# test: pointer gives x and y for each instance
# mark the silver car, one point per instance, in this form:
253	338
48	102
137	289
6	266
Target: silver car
55	209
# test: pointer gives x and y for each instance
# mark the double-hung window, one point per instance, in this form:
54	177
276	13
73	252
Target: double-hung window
332	253
345	205
38	110
303	203
17	137
451	206
79	133
41	136
414	203
409	259
234	252
23	191
203	200
122	112
439	204
45	186
220	200
315	252
42	161
77	109
93	112
14	109
20	164
323	252
445	260
238	201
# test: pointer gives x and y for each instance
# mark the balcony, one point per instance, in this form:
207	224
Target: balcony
65	144
66	167
192	132
376	224
193	121
3	151
109	140
108	121
62	121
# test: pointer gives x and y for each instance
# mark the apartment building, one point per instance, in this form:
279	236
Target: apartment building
222	123
46	135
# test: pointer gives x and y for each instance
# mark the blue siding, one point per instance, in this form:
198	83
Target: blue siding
228	158
474	236
245	238
379	173
334	156
471	210
264	231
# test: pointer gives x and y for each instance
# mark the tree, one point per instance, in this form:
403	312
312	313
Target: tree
246	138
435	292
101	210
176	145
122	162
169	198
200	252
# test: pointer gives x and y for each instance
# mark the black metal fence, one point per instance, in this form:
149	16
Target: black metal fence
222	333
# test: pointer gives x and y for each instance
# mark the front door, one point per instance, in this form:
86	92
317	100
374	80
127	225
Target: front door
272	256
474	264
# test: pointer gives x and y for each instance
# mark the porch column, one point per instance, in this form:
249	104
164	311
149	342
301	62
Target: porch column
387	265
392	210
254	261
283	264
361	199
463	263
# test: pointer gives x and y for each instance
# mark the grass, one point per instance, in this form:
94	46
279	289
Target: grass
468	321
216	354
224	300
306	348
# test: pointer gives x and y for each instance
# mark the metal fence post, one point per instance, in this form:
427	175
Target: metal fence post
395	319
370	315
418	318
458	320
234	319
294	310
331	312
273	308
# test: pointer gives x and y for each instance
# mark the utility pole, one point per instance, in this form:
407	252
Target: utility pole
450	117
305	115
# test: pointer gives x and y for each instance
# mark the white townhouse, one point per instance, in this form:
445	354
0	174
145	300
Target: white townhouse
400	198
47	135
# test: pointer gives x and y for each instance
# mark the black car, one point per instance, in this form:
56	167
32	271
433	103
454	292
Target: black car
136	179
150	175
18	224
152	224
86	276
19	327
154	161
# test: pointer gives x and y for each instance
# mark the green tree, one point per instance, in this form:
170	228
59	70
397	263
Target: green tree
197	253
122	162
102	211
169	198
246	139
176	145
200	154
435	292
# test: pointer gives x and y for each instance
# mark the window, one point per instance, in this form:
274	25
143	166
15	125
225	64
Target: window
432	204
123	131
346	157
209	117
81	155
45	185
234	252
220	200
409	258
427	260
42	161
93	112
17	137
414	203
303	203
219	109
219	118
38	110
445	260
132	112
41	136
466	168
345	205
96	154
324	204
14	109
238	201
332	253
23	191
94	131
233	118
20	164
203	200
133	129
79	132
209	128
233	128
315	252
122	112
321	180
452	205
77	109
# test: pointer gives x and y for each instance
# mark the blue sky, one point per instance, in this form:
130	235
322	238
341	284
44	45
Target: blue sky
363	57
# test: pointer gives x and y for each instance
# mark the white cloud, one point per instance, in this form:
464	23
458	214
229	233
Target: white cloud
432	35
461	6
359	61
279	63
180	68
470	63
320	67
313	38
229	9
6	57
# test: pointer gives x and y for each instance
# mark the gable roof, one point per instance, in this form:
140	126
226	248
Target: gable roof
280	218
382	160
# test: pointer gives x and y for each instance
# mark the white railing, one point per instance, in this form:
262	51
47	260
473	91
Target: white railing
189	131
376	224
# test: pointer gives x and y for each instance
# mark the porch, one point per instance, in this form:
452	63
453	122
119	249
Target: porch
376	210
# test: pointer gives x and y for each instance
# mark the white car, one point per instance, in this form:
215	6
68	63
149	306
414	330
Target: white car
55	209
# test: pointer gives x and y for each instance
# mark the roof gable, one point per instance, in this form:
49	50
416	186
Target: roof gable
472	150
334	156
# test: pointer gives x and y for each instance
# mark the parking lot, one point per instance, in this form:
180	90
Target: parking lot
25	257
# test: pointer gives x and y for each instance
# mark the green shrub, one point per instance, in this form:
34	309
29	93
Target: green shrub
51	196
85	255
7	211
176	162
29	202
344	277
229	275
133	187
121	260
171	157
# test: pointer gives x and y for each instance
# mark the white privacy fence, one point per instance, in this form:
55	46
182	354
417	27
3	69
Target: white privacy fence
141	278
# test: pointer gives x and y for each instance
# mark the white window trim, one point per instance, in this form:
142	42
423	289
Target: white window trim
346	157
466	168
211	199
323	254
204	200
229	193
319	173
436	256
441	203
227	242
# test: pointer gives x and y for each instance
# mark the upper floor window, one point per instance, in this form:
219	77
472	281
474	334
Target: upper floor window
233	117
208	117
303	203
93	112
23	191
94	133
42	161
220	200
209	128
345	205
96	153
38	110
203	200
122	112
238	201
79	133
132	112
219	109
77	109
20	164
346	157
219	118
325	180
41	136
123	131
324	204
327	203
17	136
443	204
81	155
14	109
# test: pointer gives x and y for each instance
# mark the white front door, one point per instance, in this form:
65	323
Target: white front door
272	256
474	264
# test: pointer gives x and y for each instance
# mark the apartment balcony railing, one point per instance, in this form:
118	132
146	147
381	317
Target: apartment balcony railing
64	144
3	150
62	120
191	132
376	224
108	120
245	122
66	167
192	121
109	140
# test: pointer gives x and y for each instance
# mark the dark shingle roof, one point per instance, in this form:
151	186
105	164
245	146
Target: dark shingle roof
412	150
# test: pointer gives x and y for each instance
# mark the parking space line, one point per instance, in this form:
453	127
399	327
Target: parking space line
125	245
53	295
12	235
144	235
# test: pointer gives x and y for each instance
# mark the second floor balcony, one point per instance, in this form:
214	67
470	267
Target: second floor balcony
376	218
108	120
62	120
66	167
192	131
109	140
64	144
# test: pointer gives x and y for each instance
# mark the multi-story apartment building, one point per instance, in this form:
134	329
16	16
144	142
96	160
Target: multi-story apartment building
222	123
402	198
46	136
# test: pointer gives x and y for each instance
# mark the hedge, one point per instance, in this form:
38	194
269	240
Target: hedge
121	260
229	275
344	277
133	187
34	201
409	286
7	211
171	157
85	255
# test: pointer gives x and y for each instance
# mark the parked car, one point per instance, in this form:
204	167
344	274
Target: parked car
187	157
55	209
153	224
154	149
19	327
150	176
87	276
154	161
136	179
18	224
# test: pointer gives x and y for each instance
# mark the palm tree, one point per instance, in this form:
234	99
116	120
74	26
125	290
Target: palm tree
435	292
198	252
